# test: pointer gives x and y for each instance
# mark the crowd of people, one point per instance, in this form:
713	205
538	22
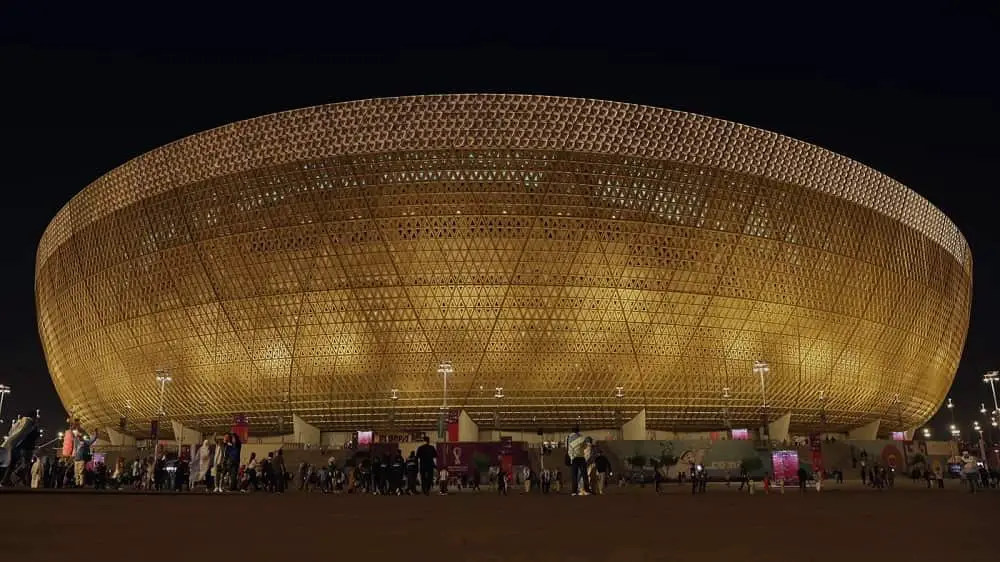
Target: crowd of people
215	466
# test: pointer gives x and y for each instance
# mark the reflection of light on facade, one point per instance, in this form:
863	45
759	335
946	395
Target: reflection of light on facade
350	248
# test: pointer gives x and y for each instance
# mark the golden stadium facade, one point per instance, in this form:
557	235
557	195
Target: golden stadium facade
324	260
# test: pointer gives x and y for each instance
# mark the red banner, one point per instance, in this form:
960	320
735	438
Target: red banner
453	425
507	465
241	427
816	450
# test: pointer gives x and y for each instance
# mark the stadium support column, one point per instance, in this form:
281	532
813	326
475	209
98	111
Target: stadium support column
867	432
305	433
777	430
468	430
635	428
119	439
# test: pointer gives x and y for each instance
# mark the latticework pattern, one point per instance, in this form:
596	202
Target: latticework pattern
313	261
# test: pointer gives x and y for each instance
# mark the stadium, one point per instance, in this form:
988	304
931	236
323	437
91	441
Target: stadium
571	260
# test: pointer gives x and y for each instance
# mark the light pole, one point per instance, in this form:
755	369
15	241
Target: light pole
620	394
992	378
822	410
982	444
394	396
761	368
951	409
163	377
4	391
444	369
498	394
725	408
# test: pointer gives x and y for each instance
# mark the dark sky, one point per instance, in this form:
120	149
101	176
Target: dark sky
83	89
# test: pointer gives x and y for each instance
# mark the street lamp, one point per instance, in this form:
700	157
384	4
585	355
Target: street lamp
620	414
927	433
992	378
982	444
4	391
822	409
498	395
163	377
394	396
951	409
761	368
725	408
444	369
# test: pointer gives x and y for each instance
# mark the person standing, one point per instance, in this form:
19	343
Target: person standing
603	467
501	481
427	459
280	472
575	450
412	469
233	457
218	465
81	455
36	473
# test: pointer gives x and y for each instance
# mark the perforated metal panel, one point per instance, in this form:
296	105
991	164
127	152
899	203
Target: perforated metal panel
314	260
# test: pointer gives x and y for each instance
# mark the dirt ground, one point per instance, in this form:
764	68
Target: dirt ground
625	525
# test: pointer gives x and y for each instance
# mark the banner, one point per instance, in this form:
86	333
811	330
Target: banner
122	423
786	466
453	416
461	458
154	430
241	427
507	465
816	453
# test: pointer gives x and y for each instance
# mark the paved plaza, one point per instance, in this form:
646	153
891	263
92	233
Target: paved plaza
627	525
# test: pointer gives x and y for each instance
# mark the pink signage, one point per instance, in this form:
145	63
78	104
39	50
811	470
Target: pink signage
786	466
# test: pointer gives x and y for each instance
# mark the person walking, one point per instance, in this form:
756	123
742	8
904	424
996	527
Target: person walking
412	469
575	443
427	459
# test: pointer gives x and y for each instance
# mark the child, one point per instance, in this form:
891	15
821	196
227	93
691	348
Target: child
443	481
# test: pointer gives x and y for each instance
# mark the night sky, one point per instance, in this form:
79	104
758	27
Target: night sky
82	90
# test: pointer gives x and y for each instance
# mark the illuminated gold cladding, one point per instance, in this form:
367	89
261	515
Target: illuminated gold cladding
312	261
